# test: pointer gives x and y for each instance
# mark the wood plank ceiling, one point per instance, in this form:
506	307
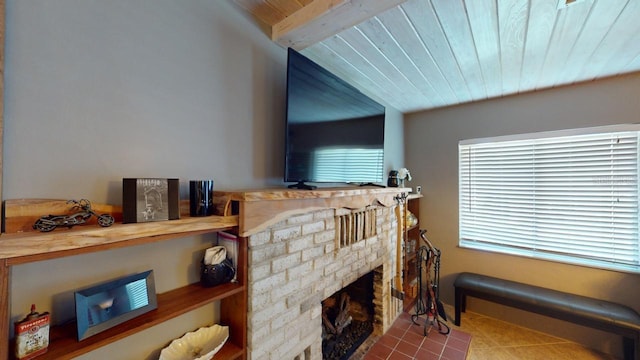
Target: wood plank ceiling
424	54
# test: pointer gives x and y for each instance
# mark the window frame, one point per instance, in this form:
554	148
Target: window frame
486	244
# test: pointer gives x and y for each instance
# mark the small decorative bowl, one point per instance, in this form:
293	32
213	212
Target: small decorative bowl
199	345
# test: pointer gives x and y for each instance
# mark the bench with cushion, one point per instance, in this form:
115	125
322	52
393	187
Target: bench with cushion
582	310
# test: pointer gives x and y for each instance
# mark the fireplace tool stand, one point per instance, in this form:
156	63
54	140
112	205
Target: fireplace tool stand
428	278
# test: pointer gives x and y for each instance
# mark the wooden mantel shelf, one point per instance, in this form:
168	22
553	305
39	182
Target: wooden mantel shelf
319	193
267	207
34	246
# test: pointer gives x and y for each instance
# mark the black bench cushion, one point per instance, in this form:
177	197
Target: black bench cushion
580	309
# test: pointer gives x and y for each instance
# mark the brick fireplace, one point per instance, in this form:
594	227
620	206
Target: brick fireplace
308	246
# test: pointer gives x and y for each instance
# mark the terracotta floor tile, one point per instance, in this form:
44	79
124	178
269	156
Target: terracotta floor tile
479	338
416	329
453	354
458	344
460	335
436	336
426	355
407	348
399	356
432	346
380	350
372	356
413	338
389	341
397	332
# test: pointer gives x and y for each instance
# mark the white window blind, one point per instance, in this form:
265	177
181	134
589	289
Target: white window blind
569	198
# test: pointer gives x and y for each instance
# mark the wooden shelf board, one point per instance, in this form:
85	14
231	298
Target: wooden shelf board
413	227
35	246
229	351
64	343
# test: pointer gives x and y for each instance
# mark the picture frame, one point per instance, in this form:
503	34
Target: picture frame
104	306
150	199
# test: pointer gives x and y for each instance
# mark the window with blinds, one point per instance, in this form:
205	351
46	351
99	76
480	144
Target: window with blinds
568	196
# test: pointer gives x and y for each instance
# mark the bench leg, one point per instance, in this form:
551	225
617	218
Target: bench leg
630	349
460	304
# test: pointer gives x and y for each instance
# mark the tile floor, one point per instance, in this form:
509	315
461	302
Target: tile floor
406	340
478	338
494	339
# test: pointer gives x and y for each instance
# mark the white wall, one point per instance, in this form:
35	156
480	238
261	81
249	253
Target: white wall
100	90
431	154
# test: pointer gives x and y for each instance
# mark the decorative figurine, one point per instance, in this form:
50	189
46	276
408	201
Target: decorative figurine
81	216
403	174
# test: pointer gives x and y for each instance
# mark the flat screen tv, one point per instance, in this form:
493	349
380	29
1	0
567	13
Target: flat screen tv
334	133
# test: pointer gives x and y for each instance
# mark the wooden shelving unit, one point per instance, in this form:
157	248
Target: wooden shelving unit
34	246
411	233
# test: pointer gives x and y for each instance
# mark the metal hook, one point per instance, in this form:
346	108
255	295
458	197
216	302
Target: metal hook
400	198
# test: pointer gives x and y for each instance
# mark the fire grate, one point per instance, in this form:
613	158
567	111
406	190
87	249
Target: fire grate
343	347
347	319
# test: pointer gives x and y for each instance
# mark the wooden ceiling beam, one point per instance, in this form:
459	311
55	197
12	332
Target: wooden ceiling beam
320	19
263	11
311	11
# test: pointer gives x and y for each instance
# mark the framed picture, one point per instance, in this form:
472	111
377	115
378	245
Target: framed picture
150	199
104	306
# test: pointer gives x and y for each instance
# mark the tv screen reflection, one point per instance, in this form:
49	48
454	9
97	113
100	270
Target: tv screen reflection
103	306
121	300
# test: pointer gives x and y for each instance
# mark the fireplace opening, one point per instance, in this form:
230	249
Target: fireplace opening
347	319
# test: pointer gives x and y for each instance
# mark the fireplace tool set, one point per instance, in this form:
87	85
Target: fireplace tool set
428	278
